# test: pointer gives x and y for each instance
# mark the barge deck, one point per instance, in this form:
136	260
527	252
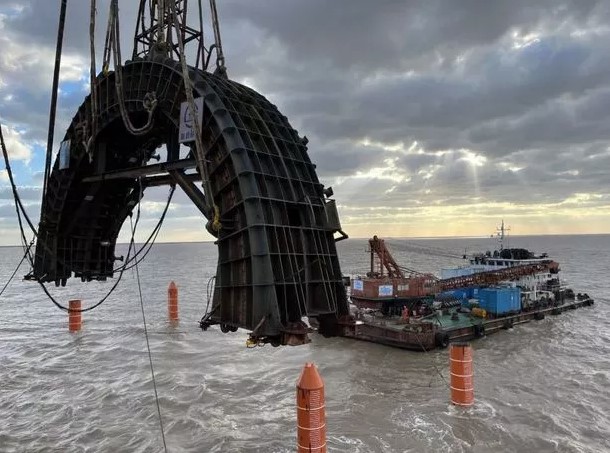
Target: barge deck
437	331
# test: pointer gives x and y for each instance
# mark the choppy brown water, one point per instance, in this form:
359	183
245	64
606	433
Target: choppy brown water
543	386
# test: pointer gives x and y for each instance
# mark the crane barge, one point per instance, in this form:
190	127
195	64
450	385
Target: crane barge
420	311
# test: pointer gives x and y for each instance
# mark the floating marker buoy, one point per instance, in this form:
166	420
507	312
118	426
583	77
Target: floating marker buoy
172	302
74	315
462	391
311	413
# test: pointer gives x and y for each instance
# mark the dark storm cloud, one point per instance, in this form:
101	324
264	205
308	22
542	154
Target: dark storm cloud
523	85
391	33
343	158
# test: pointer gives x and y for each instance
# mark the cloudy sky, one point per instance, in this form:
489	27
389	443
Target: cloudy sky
428	118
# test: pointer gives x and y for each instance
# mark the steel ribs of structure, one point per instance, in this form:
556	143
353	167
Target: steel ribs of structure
277	254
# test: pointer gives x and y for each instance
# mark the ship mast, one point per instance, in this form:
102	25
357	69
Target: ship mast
501	234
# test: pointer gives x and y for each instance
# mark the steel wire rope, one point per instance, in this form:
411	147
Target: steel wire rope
17	198
27	251
160	19
55	89
92	78
220	58
434	365
18	206
113	36
150	241
201	48
150	360
413	271
199	151
424	250
209	289
150	99
102	300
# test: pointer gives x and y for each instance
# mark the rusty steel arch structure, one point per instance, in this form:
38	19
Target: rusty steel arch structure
277	255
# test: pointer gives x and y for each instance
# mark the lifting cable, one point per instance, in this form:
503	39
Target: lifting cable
199	151
93	82
424	250
20	209
113	45
18	204
53	108
220	58
201	48
413	272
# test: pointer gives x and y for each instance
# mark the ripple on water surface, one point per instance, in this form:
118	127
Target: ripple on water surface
539	387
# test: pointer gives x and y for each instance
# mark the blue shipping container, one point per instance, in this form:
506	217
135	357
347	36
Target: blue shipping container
454	294
500	301
473	291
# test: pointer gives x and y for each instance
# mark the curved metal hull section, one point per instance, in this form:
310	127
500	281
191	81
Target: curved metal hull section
277	255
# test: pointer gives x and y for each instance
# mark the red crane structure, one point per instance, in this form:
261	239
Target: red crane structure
382	260
386	281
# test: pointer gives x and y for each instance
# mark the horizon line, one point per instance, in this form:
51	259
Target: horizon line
384	237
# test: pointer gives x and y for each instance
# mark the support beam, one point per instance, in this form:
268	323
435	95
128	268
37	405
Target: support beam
147	170
166	180
191	190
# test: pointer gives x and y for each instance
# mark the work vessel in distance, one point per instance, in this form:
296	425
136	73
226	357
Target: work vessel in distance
494	291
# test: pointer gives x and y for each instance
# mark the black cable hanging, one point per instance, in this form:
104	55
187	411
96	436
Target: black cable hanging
21	210
27	251
53	108
150	241
19	205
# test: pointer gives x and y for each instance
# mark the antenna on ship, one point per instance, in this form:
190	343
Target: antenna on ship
501	233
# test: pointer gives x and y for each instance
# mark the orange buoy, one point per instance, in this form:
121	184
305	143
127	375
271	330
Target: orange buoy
172	302
74	315
311	414
462	391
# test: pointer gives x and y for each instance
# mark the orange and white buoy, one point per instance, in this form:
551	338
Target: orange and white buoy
462	391
172	302
74	315
311	413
